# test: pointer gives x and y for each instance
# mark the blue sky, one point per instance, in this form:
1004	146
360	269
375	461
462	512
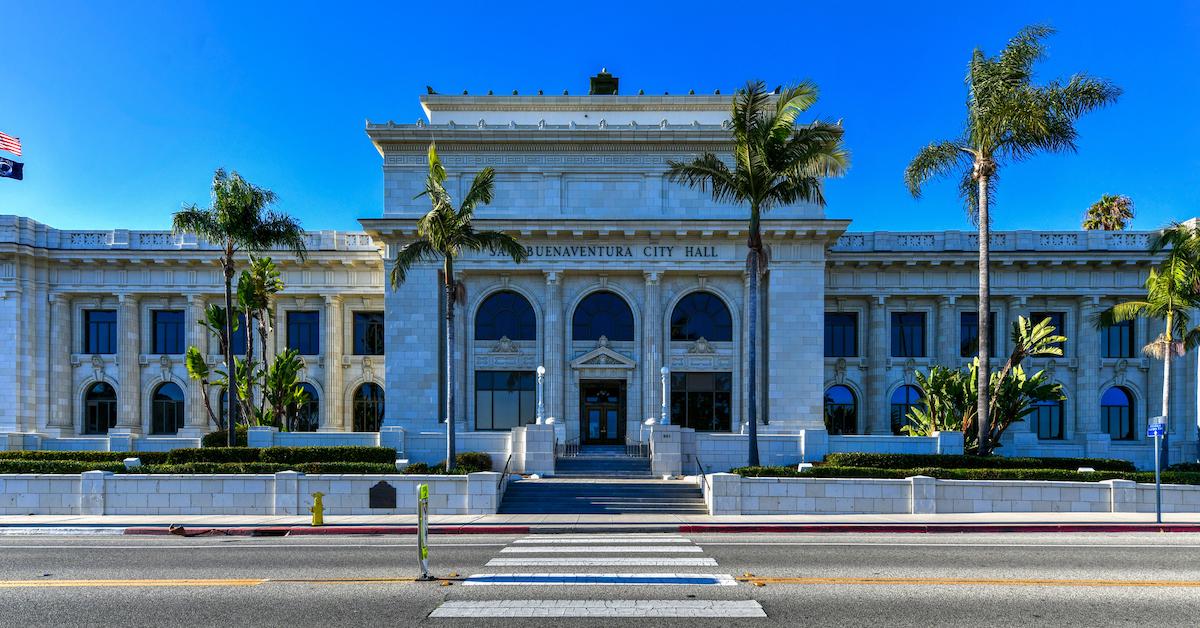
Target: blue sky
126	108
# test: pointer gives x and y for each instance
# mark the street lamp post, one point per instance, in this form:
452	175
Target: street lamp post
664	416
541	408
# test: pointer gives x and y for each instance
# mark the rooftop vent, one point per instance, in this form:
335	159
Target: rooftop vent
604	84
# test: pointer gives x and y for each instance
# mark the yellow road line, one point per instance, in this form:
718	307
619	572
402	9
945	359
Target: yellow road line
200	582
1004	582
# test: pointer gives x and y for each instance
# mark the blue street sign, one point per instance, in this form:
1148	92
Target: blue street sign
1155	429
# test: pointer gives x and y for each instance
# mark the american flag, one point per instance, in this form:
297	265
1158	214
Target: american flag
10	144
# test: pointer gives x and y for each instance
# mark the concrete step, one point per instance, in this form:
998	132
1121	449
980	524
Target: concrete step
613	496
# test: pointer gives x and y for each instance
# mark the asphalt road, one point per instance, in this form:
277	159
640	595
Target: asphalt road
809	580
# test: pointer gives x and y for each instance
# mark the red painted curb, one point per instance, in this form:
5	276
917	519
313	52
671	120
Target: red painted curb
323	530
921	528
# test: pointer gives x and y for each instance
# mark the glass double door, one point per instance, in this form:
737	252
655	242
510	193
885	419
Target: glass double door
602	412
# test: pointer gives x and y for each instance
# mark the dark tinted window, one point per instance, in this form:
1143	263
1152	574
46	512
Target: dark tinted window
238	346
1047	419
368	408
1116	414
841	410
602	314
702	401
368	333
504	399
304	332
968	334
701	315
1057	319
903	399
841	334
505	314
99	408
169	335
1117	341
99	331
166	412
908	334
308	412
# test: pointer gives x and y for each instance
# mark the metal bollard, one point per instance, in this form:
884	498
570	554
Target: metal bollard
318	509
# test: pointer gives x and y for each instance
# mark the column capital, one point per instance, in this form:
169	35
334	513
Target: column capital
879	300
197	299
58	298
1016	300
651	276
333	299
127	298
948	299
552	276
1090	301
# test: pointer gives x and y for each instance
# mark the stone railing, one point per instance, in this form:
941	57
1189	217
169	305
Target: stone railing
21	230
1045	241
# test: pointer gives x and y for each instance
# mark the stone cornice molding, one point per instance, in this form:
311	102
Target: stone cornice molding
724	230
666	102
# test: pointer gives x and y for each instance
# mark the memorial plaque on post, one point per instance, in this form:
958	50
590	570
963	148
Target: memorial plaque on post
382	495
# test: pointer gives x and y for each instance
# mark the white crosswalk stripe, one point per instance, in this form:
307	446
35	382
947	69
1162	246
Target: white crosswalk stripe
548	559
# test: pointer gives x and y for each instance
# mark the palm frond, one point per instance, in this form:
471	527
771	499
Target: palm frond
482	190
935	160
706	173
499	243
408	256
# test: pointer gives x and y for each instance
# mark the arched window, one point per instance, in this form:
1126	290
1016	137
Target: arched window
841	410
605	314
99	408
368	408
166	409
505	314
1116	414
1047	418
701	315
903	400
308	412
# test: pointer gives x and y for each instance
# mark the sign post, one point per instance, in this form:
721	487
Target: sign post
1156	427
423	530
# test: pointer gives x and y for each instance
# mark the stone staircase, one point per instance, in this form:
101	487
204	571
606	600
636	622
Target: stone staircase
604	481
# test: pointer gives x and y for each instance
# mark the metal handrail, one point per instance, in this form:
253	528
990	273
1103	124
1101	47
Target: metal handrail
703	475
568	448
501	484
635	448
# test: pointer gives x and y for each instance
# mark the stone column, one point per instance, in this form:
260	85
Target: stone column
129	370
948	349
412	335
1087	389
553	353
876	404
1016	308
333	416
794	322
60	423
654	346
197	336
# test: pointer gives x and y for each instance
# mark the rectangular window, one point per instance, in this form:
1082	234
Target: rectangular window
1057	319
1048	420
168	332
908	334
99	331
841	334
1117	341
238	346
368	333
304	332
702	401
504	399
968	326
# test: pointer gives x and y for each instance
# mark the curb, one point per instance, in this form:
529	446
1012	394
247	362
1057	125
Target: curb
321	530
940	528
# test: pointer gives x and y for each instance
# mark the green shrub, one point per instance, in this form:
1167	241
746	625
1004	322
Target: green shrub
214	454
346	467
58	466
147	457
420	468
949	461
214	467
1171	477
1185	466
478	461
218	438
295	455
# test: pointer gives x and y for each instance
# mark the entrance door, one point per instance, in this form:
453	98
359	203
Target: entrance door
602	412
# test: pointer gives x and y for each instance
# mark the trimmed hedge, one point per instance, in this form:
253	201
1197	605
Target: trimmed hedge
219	438
147	457
58	466
213	454
269	467
294	455
1061	475
949	461
476	460
1185	466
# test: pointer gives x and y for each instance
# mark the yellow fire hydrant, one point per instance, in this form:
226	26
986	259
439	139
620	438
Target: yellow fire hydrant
318	509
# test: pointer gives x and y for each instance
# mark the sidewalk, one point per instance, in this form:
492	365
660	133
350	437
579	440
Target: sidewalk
550	524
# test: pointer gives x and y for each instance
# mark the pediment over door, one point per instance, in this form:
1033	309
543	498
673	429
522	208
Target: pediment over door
602	357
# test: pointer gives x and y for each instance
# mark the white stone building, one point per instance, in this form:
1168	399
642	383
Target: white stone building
627	273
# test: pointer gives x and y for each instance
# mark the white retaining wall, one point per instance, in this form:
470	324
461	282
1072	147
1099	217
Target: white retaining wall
284	493
721	452
733	495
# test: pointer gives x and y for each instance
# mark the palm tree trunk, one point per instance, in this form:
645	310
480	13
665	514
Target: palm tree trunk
985	307
752	338
1168	350
450	435
230	428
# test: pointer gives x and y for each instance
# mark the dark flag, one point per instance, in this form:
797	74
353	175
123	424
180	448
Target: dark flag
11	169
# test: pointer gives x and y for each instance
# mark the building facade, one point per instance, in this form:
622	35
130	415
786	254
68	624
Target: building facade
628	274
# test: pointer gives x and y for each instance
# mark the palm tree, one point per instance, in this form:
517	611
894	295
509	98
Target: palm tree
1172	289
1111	213
775	162
443	234
239	220
1008	119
